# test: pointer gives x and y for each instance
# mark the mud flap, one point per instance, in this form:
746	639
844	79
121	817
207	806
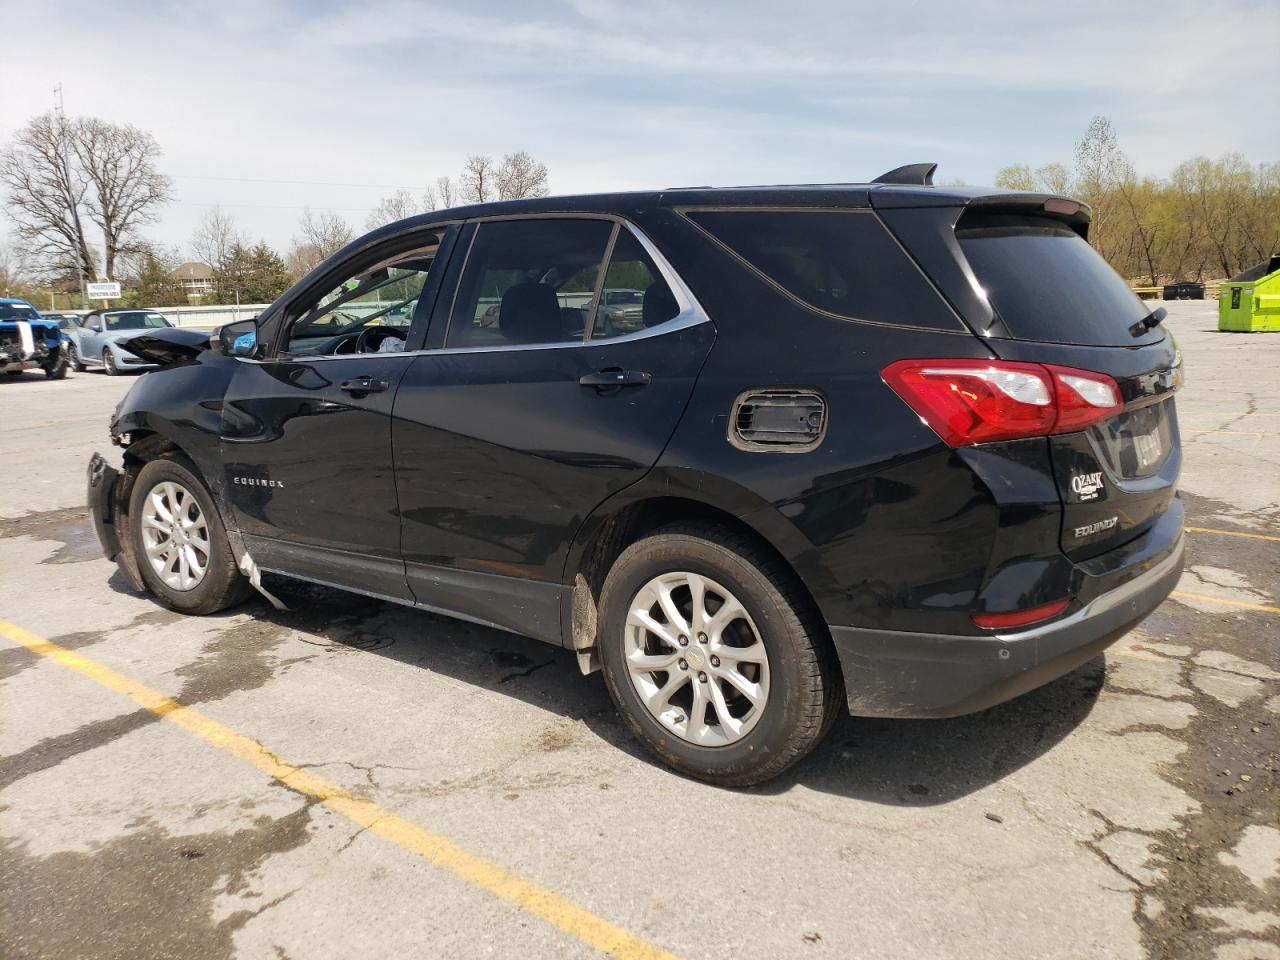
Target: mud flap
254	575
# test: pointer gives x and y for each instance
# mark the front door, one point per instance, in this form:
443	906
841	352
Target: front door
558	383
306	432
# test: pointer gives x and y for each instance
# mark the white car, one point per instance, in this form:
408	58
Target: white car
95	342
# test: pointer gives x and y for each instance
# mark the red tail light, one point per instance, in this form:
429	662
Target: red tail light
978	401
1018	618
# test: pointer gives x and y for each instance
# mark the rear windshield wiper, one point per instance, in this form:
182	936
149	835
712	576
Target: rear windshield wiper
1149	322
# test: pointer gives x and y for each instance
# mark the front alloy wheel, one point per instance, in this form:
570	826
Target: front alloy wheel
696	660
175	536
178	540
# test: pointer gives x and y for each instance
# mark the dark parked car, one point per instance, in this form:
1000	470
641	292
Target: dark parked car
1186	290
65	321
898	449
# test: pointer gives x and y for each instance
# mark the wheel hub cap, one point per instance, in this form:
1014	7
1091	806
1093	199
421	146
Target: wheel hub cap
175	536
705	701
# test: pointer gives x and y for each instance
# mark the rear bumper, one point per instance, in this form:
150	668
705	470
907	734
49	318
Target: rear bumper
897	674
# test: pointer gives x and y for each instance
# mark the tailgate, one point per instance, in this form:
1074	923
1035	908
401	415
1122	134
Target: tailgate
1032	288
1058	302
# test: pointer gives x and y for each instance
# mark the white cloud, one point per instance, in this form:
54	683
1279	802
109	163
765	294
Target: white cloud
619	95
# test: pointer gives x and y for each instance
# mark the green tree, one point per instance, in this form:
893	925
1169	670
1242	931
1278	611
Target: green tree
149	282
254	274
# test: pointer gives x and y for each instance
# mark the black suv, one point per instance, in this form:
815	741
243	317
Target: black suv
903	449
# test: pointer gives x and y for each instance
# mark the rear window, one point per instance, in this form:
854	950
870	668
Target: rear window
844	263
1047	283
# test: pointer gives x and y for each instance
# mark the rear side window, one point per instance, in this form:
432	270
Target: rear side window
845	263
1047	283
635	297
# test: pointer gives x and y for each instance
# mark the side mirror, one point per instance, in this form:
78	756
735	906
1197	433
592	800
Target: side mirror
95	326
238	339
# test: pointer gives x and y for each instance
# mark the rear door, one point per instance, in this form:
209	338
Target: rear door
1053	299
534	408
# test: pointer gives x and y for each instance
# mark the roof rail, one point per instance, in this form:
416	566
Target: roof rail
913	174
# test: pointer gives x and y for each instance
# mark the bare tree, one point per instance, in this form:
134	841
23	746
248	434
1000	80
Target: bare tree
1100	167
390	209
1054	178
46	190
446	191
519	175
319	236
119	162
1015	177
477	180
216	236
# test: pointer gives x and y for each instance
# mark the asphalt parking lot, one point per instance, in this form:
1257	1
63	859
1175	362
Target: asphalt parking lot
353	779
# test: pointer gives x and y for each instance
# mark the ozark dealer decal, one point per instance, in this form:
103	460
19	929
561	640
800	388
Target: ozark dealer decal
1087	486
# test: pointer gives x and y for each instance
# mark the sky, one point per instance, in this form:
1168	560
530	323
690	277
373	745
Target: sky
268	106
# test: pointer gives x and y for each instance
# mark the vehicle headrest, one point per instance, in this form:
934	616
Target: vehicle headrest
659	304
530	313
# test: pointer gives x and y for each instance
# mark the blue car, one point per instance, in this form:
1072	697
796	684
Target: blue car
28	340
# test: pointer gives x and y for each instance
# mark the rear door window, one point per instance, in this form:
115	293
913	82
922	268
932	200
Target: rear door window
529	282
1048	284
841	262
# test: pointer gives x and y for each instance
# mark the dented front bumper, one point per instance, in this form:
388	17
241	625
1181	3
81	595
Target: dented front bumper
104	493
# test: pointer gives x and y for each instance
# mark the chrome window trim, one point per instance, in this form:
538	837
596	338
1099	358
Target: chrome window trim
691	313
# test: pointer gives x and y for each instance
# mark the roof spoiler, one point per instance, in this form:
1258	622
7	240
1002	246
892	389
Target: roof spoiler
913	174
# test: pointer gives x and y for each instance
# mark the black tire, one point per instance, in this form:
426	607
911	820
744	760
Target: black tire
58	371
806	691
73	358
109	363
223	584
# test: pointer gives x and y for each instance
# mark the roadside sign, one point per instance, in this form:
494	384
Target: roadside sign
103	290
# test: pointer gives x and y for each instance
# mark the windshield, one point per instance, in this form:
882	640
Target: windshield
136	320
1048	284
17	311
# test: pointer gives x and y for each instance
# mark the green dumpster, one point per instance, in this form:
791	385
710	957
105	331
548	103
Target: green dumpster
1251	301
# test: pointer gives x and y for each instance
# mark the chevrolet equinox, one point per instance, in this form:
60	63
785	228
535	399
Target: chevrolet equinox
890	448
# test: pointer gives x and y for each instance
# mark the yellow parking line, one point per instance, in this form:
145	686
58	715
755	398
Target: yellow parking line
1184	595
1233	533
521	892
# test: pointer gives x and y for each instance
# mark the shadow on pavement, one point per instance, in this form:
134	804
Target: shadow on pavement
896	762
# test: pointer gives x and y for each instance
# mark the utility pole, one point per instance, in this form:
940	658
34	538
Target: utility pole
84	292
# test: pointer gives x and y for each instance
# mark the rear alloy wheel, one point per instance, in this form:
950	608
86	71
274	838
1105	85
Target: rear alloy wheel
179	542
109	363
696	659
714	656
